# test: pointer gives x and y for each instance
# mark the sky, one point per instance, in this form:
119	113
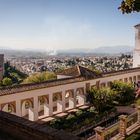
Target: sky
65	24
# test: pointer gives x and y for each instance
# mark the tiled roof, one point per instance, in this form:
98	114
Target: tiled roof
73	71
80	71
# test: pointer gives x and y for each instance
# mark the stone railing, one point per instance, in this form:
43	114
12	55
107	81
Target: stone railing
111	131
125	127
132	119
113	73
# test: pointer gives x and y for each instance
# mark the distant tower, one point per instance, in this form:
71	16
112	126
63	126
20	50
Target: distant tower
136	53
1	66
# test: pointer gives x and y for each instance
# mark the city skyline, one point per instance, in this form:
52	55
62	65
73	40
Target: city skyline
57	25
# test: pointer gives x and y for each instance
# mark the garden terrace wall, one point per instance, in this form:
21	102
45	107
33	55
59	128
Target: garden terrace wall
23	129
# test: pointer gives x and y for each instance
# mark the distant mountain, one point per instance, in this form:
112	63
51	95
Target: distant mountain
100	50
114	49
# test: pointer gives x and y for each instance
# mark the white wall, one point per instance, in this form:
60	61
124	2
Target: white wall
61	88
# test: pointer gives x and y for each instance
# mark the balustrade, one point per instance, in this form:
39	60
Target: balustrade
121	128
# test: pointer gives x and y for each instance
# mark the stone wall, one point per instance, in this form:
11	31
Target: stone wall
23	129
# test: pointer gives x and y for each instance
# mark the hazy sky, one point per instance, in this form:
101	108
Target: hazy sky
64	24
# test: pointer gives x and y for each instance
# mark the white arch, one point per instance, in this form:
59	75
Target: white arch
80	97
27	109
9	107
43	108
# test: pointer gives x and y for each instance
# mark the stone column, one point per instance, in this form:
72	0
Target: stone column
50	104
98	84
99	133
123	125
138	113
46	109
35	109
74	92
31	114
63	101
18	108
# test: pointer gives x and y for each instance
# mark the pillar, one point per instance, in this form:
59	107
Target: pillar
46	109
98	84
18	108
59	106
123	125
138	112
63	101
31	114
71	103
50	105
35	108
99	132
75	95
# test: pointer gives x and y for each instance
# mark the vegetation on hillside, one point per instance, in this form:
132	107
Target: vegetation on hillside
11	75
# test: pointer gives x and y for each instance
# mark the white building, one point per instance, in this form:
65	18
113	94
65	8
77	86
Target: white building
1	66
136	53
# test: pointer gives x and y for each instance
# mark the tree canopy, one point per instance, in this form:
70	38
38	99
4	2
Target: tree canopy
40	77
128	6
6	82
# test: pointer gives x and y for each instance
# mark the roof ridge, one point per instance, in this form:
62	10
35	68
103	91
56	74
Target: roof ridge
78	68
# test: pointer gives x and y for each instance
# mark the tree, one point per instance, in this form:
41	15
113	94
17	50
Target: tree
102	98
128	6
124	92
6	82
15	75
40	77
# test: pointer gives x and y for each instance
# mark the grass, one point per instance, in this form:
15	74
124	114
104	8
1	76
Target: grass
134	136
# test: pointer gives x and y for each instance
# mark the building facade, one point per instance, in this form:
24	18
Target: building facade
1	66
136	52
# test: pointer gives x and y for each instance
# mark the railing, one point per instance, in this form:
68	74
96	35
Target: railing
126	126
132	119
111	131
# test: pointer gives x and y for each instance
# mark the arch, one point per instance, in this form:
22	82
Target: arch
80	91
57	96
57	102
138	77
9	107
69	93
69	99
27	109
80	97
43	107
134	79
43	100
130	79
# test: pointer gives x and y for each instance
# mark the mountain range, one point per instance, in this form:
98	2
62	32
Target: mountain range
112	50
